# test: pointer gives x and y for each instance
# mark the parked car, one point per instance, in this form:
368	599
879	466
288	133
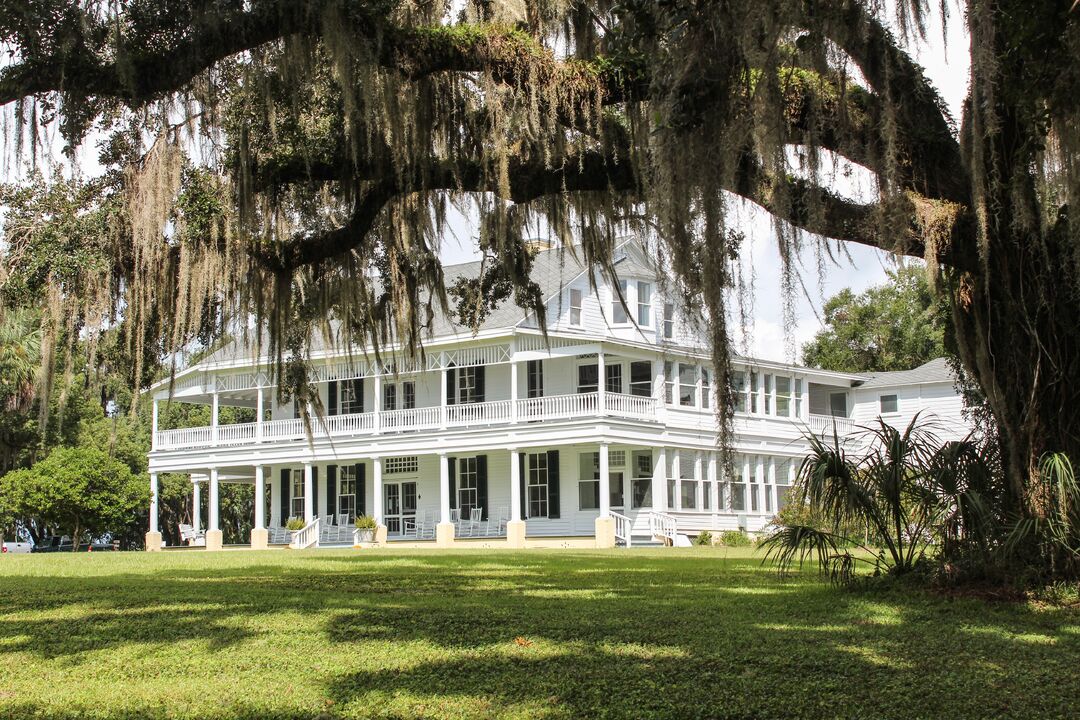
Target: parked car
63	544
16	547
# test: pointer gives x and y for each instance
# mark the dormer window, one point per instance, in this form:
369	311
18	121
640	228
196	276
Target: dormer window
644	304
618	309
575	307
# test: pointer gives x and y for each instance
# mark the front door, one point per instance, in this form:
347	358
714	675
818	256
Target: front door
399	504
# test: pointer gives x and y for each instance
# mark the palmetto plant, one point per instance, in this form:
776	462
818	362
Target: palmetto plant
909	490
20	358
1051	538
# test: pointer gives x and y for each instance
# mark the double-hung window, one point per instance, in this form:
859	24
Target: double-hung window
469	384
888	404
351	396
738	488
644	304
297	504
575	307
467	490
618	309
408	395
783	396
347	491
589	482
641	378
389	398
588	378
740	390
798	397
613	379
706	388
687	384
669	382
767	407
753	392
534	370
669	321
641	485
537	485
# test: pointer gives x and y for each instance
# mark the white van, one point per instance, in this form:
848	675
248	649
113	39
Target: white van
16	547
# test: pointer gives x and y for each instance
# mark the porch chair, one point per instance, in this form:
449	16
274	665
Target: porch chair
328	531
496	524
343	521
475	523
190	536
455	520
427	532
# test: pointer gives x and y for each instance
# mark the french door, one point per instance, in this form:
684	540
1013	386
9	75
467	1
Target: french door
399	504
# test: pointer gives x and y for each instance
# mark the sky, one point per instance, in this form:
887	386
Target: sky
767	337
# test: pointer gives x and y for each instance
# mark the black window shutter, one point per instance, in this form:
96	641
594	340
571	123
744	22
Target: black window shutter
361	489
553	483
331	397
358	394
314	491
331	489
451	385
479	384
523	482
482	484
286	490
451	464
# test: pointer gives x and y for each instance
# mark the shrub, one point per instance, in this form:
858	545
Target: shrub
735	538
703	538
365	522
295	524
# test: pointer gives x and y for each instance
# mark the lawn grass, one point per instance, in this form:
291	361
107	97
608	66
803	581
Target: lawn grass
700	632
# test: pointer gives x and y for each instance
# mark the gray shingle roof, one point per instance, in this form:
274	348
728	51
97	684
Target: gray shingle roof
937	370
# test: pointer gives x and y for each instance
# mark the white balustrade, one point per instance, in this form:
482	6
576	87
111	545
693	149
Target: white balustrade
412	419
623	526
662	525
350	424
308	537
635	406
826	425
237	433
484	413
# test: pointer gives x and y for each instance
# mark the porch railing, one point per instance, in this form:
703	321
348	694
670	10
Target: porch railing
662	525
623	526
308	537
824	424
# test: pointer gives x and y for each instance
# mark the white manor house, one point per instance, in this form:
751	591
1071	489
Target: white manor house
601	434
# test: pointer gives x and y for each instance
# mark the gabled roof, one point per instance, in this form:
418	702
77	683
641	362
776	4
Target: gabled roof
935	371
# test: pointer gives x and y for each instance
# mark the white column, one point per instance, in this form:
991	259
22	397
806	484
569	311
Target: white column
601	385
444	488
676	472
196	506
442	390
154	497
513	388
376	484
378	403
515	485
214	497
214	417
260	496
259	415
153	429
309	501
659	490
605	482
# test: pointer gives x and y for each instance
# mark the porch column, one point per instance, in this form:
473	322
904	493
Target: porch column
378	403
259	536
214	415
442	390
259	414
213	531
377	500
515	528
154	426
444	531
153	537
309	499
601	384
605	524
196	506
659	490
513	386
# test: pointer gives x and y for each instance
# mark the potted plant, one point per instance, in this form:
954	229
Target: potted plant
293	525
365	528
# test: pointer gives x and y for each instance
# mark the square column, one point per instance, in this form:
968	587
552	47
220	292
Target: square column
259	414
515	528
154	427
153	537
444	531
214	415
605	524
259	536
309	499
213	531
196	506
601	385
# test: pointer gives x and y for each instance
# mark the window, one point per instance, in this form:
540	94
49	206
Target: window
616	458
798	397
589	483
767	406
753	393
641	485
351	396
740	390
754	495
575	307
408	395
588	378
534	371
613	381
404	465
767	488
783	396
688	494
537	488
467	496
618	310
641	379
738	491
706	388
347	491
669	384
389	398
838	404
888	404
669	321
783	484
470	384
615	493
297	505
644	304
687	384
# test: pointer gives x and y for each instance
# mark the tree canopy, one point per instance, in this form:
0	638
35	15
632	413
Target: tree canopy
288	165
897	325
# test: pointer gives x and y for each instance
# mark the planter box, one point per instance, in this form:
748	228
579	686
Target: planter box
367	535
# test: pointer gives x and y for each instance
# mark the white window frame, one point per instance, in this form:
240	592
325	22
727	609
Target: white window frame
669	321
468	487
575	307
644	308
347	480
297	483
619	314
783	396
536	485
348	403
896	404
402	465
